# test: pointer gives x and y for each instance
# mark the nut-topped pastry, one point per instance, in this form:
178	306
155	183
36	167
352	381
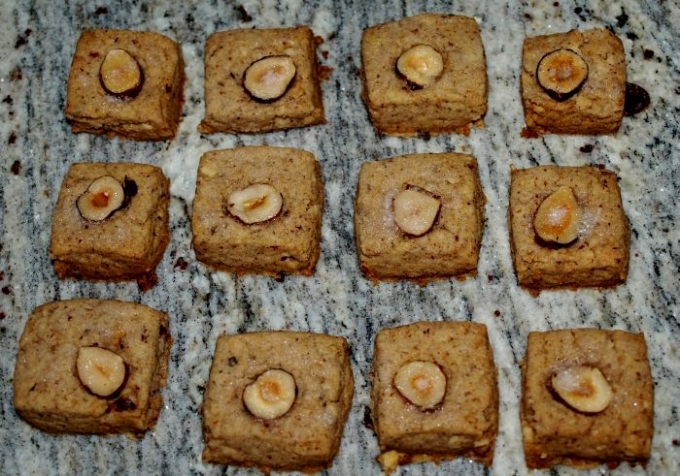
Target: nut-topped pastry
573	83
126	83
587	399
424	74
111	223
567	228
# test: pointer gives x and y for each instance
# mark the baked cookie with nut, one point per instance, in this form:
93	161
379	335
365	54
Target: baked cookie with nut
110	223
277	400
424	74
419	217
434	394
92	366
587	399
258	210
573	83
261	80
568	228
126	83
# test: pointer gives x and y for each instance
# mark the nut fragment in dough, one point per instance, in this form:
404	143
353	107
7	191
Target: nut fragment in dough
561	73
256	203
558	217
102	198
271	395
120	73
421	65
421	383
268	78
101	371
415	211
583	388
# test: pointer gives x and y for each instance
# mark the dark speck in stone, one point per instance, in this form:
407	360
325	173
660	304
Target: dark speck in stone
676	442
8	100
16	167
368	419
23	39
556	4
244	14
631	36
101	11
528	17
2	273
6	290
2	315
16	74
587	148
12	139
497	313
648	54
578	10
622	19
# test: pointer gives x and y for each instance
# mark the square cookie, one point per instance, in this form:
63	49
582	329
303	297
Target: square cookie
585	203
277	400
280	91
258	210
591	98
587	399
450	97
71	354
126	83
434	394
419	217
111	223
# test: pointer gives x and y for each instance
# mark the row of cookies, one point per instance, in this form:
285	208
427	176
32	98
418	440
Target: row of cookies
422	74
279	400
418	217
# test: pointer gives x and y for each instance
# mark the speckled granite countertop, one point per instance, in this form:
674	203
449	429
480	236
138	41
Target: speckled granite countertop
37	146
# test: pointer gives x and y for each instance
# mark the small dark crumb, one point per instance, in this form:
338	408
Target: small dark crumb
123	404
631	36
147	282
101	11
556	4
600	166
527	16
2	273
181	263
637	99
16	167
324	72
23	39
6	290
676	442
368	419
8	100
578	10
233	361
16	74
324	53
648	54
244	14
12	139
497	313
2	315
529	133
490	277
318	40
587	149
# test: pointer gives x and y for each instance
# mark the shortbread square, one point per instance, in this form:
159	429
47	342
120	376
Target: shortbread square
230	107
152	111
455	102
286	243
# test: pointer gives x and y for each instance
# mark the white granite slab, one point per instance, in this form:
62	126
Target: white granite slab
36	148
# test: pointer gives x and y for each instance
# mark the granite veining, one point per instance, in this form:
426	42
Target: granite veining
37	147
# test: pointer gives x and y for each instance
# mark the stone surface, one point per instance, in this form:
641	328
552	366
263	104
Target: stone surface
36	148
